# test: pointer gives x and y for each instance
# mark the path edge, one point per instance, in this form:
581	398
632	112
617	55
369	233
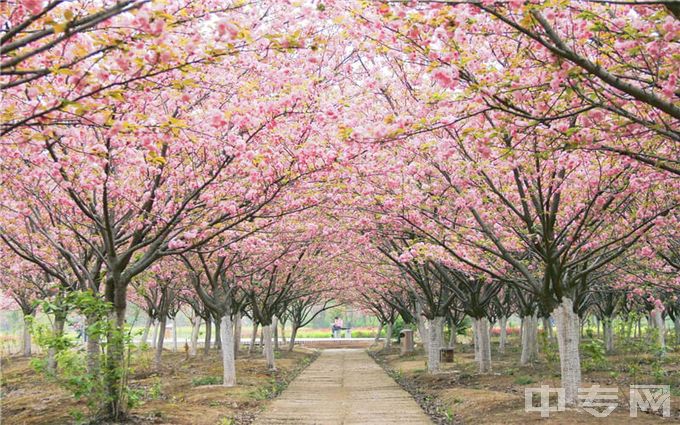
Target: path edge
431	406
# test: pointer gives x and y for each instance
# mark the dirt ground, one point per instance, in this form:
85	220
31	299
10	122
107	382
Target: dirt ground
171	396
460	395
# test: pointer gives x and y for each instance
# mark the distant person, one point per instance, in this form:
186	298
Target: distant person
337	327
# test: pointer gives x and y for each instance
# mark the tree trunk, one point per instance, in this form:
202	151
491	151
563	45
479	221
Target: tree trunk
388	336
174	334
228	361
208	336
660	326
268	347
275	332
154	337
218	335
547	328
503	335
434	344
529	339
27	346
145	334
159	344
237	334
195	330
568	342
57	332
484	341
293	334
676	327
608	331
453	338
377	336
424	332
93	348
597	327
116	365
283	332
253	338
475	339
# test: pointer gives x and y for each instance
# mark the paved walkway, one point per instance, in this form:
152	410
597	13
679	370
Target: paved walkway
344	386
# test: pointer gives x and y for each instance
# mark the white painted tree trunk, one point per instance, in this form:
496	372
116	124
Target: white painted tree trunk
154	337
529	339
228	361
424	331
195	330
377	336
608	331
388	336
174	334
434	344
568	342
268	347
660	326
503	335
676	326
93	347
27	348
484	341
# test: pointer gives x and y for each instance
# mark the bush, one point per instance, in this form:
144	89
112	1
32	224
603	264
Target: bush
206	380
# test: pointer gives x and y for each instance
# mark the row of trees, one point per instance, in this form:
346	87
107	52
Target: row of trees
440	155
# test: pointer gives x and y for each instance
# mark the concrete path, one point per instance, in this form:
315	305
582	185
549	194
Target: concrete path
343	386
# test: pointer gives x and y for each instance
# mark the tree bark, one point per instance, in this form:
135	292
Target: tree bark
237	334
608	331
377	336
547	328
145	334
568	342
218	335
93	348
253	338
676	327
484	341
159	345
388	336
57	332
195	330
154	337
660	326
503	335
275	333
434	344
283	332
529	339
228	361
424	332
268	347
208	336
453	338
293	334
27	346
174	334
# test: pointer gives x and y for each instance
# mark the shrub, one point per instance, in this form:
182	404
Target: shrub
206	380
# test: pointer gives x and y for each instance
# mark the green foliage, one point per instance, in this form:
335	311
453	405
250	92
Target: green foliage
549	349
595	355
524	380
73	373
206	380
